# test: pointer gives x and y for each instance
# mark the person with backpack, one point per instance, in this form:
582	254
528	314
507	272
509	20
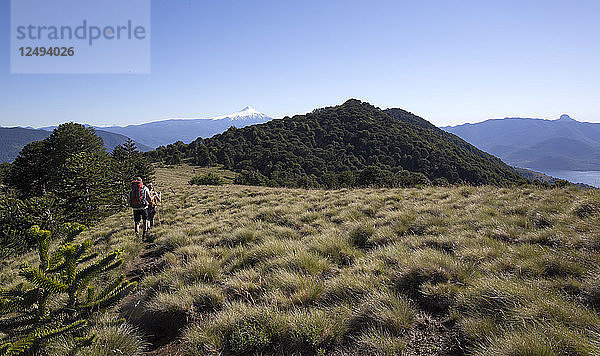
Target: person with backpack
155	199
138	201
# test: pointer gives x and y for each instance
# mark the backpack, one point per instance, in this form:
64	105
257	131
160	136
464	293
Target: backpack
137	200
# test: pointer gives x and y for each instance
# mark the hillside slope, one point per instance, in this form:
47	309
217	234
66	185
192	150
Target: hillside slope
439	271
306	150
546	145
13	139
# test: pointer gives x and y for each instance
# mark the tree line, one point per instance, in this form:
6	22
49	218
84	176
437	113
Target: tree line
66	178
351	145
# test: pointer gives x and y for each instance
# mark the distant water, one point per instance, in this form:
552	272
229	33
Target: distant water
587	177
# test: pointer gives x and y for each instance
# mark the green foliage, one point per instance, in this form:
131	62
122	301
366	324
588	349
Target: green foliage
249	336
251	178
59	296
174	154
70	175
130	163
87	189
354	144
207	179
70	164
30	173
4	168
38	168
17	216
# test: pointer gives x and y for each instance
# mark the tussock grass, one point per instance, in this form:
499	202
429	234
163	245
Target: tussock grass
114	339
256	270
591	289
379	342
544	339
382	310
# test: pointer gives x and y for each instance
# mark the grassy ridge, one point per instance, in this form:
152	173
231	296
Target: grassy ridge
475	270
435	270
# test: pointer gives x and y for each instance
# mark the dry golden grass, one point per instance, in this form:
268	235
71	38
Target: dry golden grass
382	271
437	270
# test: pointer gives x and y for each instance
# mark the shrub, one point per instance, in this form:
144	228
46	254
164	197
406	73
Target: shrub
249	336
17	216
251	178
207	179
62	298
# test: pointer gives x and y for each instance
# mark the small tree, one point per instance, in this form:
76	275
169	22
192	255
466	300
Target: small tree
88	188
130	163
61	300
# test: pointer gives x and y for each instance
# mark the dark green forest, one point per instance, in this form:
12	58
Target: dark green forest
351	145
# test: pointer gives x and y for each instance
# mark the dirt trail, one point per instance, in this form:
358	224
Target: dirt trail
148	262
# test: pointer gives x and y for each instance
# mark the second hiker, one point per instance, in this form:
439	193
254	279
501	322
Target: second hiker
155	199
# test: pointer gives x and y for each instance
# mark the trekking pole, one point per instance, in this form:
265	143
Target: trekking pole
158	217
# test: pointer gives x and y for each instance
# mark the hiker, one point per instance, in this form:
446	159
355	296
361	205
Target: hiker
138	200
155	199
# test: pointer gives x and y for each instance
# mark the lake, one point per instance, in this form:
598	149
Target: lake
586	177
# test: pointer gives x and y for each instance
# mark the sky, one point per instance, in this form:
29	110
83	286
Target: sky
450	62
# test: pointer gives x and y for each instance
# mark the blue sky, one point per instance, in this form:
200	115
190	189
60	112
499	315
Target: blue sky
448	61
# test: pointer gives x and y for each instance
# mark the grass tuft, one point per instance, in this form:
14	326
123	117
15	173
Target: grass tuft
361	234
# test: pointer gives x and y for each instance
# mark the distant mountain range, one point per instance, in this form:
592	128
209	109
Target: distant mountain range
147	136
164	132
13	139
539	144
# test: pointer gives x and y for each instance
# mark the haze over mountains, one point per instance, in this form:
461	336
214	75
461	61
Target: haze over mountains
13	139
147	136
164	132
539	144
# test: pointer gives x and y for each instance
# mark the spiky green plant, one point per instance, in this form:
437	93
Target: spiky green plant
58	297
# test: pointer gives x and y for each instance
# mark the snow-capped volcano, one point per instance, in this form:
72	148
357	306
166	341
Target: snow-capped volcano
245	114
187	129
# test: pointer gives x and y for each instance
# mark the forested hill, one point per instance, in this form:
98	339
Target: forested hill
354	144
